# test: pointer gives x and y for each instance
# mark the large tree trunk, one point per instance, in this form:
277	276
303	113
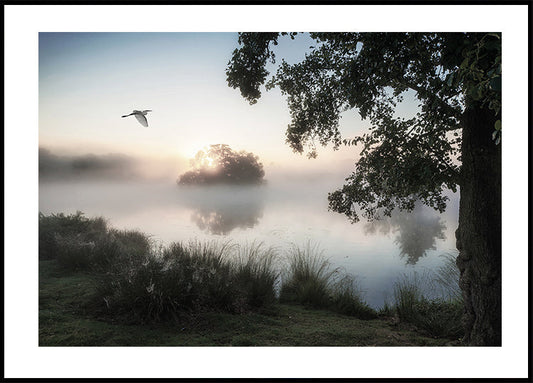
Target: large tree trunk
479	231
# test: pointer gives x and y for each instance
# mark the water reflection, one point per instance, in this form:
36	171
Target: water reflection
417	231
220	210
279	214
222	220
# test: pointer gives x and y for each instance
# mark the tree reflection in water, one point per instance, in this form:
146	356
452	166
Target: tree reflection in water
417	231
220	210
221	220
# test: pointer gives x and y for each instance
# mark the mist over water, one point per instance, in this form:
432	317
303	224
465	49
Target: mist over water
290	209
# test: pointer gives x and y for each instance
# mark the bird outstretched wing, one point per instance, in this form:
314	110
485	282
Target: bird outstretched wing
142	119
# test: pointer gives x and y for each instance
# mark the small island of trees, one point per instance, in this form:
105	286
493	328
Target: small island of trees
219	164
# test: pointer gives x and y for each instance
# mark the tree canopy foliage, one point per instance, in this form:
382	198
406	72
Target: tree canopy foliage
219	164
402	160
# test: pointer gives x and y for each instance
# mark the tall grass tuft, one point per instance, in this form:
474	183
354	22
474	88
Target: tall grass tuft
440	317
407	294
190	278
255	275
310	280
309	277
346	299
447	278
199	275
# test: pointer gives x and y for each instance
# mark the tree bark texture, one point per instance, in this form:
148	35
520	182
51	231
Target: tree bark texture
479	231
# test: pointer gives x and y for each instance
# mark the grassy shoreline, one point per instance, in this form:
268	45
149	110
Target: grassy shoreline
64	321
99	286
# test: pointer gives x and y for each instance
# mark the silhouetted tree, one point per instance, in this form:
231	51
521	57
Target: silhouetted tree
220	164
452	141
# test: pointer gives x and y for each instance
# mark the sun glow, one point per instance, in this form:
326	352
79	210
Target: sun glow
209	162
200	158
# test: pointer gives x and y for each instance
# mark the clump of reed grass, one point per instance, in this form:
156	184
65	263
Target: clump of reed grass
447	278
255	275
387	310
407	293
439	317
309	277
191	278
202	273
346	299
310	280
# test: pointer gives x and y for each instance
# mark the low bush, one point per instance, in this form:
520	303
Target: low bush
73	252
66	228
119	247
81	243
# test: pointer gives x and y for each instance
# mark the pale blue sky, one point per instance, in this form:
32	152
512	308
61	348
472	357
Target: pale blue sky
88	80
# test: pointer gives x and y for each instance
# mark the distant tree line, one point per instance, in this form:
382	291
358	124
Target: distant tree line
53	166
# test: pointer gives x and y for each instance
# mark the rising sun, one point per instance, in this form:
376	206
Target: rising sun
201	158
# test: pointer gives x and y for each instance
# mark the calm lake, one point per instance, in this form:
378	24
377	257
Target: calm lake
284	212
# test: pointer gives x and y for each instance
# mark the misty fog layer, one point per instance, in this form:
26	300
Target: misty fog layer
109	167
53	166
289	208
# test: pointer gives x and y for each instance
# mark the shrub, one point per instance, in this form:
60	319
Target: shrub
68	227
136	281
72	252
80	243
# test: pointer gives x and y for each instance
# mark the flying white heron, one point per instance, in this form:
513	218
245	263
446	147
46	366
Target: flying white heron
139	115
